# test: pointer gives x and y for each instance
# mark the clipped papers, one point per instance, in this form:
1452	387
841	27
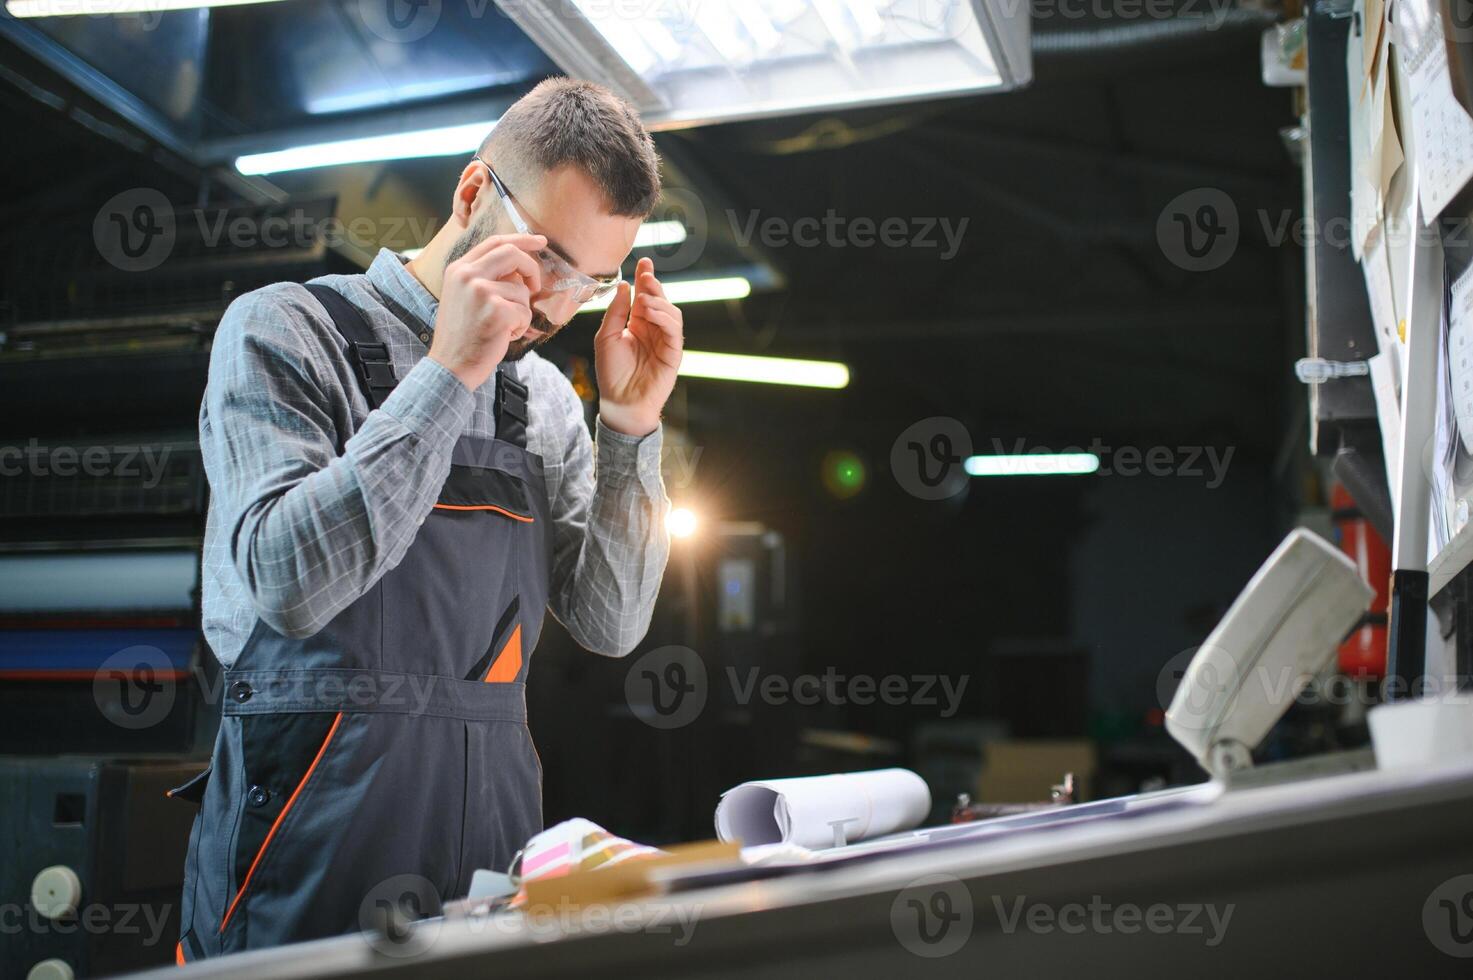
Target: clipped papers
1442	132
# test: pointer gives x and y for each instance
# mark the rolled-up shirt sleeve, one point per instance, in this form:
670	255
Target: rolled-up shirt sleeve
312	526
610	544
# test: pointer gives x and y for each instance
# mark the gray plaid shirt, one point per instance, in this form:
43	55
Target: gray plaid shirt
296	532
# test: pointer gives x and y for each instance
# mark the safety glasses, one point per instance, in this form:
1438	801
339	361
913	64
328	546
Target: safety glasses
559	276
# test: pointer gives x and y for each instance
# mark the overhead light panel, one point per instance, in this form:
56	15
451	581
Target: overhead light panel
1033	464
444	141
687	62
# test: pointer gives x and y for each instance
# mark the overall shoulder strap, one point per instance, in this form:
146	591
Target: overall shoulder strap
511	405
370	356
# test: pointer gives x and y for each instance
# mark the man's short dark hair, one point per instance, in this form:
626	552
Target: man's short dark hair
566	121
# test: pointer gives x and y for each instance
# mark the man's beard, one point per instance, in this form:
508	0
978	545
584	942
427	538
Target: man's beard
474	235
518	349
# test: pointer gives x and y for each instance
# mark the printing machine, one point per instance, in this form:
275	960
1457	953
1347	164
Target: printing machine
103	676
1356	864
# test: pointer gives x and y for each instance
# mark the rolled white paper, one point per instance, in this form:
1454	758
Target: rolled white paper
823	811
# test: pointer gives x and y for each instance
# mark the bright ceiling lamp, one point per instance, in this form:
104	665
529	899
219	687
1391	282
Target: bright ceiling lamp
764	370
1033	464
78	8
445	141
691	291
688	62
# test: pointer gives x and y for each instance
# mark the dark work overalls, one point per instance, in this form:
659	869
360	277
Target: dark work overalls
394	741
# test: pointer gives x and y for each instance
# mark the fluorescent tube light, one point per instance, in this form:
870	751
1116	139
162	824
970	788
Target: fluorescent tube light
445	141
1033	464
690	291
653	234
79	8
764	370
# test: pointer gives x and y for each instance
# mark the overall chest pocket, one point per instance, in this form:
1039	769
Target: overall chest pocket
474	489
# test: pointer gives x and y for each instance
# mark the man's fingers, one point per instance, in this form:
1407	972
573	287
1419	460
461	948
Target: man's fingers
507	260
644	275
617	313
649	303
508	289
527	243
668	323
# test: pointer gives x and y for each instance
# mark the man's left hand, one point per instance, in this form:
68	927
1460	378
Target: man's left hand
637	354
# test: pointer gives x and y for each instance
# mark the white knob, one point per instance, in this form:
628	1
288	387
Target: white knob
51	970
56	892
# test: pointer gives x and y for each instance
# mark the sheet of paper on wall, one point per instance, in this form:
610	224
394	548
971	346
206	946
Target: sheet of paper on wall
1450	456
1381	292
1375	150
1441	129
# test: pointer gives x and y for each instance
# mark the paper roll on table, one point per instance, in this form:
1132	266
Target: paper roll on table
823	811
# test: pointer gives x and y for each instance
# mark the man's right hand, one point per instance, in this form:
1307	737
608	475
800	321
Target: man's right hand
486	304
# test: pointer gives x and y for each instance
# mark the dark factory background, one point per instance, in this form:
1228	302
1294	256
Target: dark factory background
1059	322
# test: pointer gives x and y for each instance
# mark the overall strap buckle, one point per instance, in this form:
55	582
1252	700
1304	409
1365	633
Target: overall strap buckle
375	370
511	409
368	354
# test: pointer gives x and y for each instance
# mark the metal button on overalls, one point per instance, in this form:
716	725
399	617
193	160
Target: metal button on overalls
395	738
